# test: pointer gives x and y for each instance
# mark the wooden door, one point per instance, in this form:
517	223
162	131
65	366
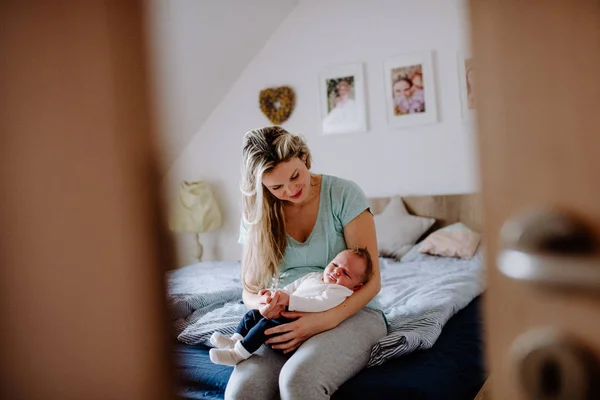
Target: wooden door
81	252
538	93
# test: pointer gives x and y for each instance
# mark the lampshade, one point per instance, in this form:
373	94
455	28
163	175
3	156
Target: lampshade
196	209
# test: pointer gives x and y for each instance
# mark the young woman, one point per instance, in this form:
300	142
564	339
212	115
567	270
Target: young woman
294	223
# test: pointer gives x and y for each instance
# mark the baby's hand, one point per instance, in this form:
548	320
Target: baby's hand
270	309
266	296
283	298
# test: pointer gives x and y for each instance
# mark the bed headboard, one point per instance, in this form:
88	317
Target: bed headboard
446	209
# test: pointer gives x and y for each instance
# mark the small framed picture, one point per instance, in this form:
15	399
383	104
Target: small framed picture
466	77
410	90
342	100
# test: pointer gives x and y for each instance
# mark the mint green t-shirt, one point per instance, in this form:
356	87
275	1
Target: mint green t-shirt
340	202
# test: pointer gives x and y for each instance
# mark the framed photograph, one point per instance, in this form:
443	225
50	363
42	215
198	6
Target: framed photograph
342	100
410	90
466	77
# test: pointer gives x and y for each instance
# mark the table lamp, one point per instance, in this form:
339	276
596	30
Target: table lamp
195	211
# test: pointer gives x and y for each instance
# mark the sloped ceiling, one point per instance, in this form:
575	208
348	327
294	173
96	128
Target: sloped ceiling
198	49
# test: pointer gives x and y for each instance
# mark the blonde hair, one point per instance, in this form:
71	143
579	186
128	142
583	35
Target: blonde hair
262	213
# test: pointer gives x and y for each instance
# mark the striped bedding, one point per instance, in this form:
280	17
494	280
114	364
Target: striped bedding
418	298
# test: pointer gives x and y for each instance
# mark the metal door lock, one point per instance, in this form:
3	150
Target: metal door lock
551	247
552	366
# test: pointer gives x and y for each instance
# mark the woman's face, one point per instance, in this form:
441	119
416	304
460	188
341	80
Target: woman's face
401	89
289	181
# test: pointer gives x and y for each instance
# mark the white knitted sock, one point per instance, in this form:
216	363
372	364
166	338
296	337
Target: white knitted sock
229	356
223	342
237	337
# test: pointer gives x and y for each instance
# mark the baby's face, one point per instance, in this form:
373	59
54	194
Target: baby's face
346	269
417	81
343	89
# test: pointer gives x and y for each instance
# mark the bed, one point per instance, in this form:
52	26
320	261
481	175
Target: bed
443	361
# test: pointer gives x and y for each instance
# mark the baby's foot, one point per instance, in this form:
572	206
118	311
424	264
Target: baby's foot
229	356
223	342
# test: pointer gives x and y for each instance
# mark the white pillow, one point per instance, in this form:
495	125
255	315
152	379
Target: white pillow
455	240
397	230
414	255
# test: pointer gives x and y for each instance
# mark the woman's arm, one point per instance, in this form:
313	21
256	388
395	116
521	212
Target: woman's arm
262	301
251	300
360	232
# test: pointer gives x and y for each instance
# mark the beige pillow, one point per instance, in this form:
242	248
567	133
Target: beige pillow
455	240
397	230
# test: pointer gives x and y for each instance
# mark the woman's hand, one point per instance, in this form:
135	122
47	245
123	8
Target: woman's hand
293	334
268	305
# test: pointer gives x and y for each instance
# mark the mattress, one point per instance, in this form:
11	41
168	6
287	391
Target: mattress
450	370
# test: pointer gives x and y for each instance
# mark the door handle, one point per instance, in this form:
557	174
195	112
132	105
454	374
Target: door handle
550	247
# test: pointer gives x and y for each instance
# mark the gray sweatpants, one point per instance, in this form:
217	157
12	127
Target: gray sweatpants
316	369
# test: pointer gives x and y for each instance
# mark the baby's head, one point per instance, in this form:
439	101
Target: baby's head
351	268
417	80
344	89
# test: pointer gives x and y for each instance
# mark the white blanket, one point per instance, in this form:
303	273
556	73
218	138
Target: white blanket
418	298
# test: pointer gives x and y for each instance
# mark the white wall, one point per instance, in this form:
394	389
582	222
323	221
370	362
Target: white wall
198	49
432	159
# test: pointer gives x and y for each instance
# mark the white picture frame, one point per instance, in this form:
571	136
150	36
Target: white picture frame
466	80
342	100
410	104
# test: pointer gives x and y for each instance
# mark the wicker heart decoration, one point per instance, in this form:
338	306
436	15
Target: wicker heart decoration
277	103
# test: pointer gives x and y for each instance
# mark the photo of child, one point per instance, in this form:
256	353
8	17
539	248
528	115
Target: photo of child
342	99
342	110
408	90
339	91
